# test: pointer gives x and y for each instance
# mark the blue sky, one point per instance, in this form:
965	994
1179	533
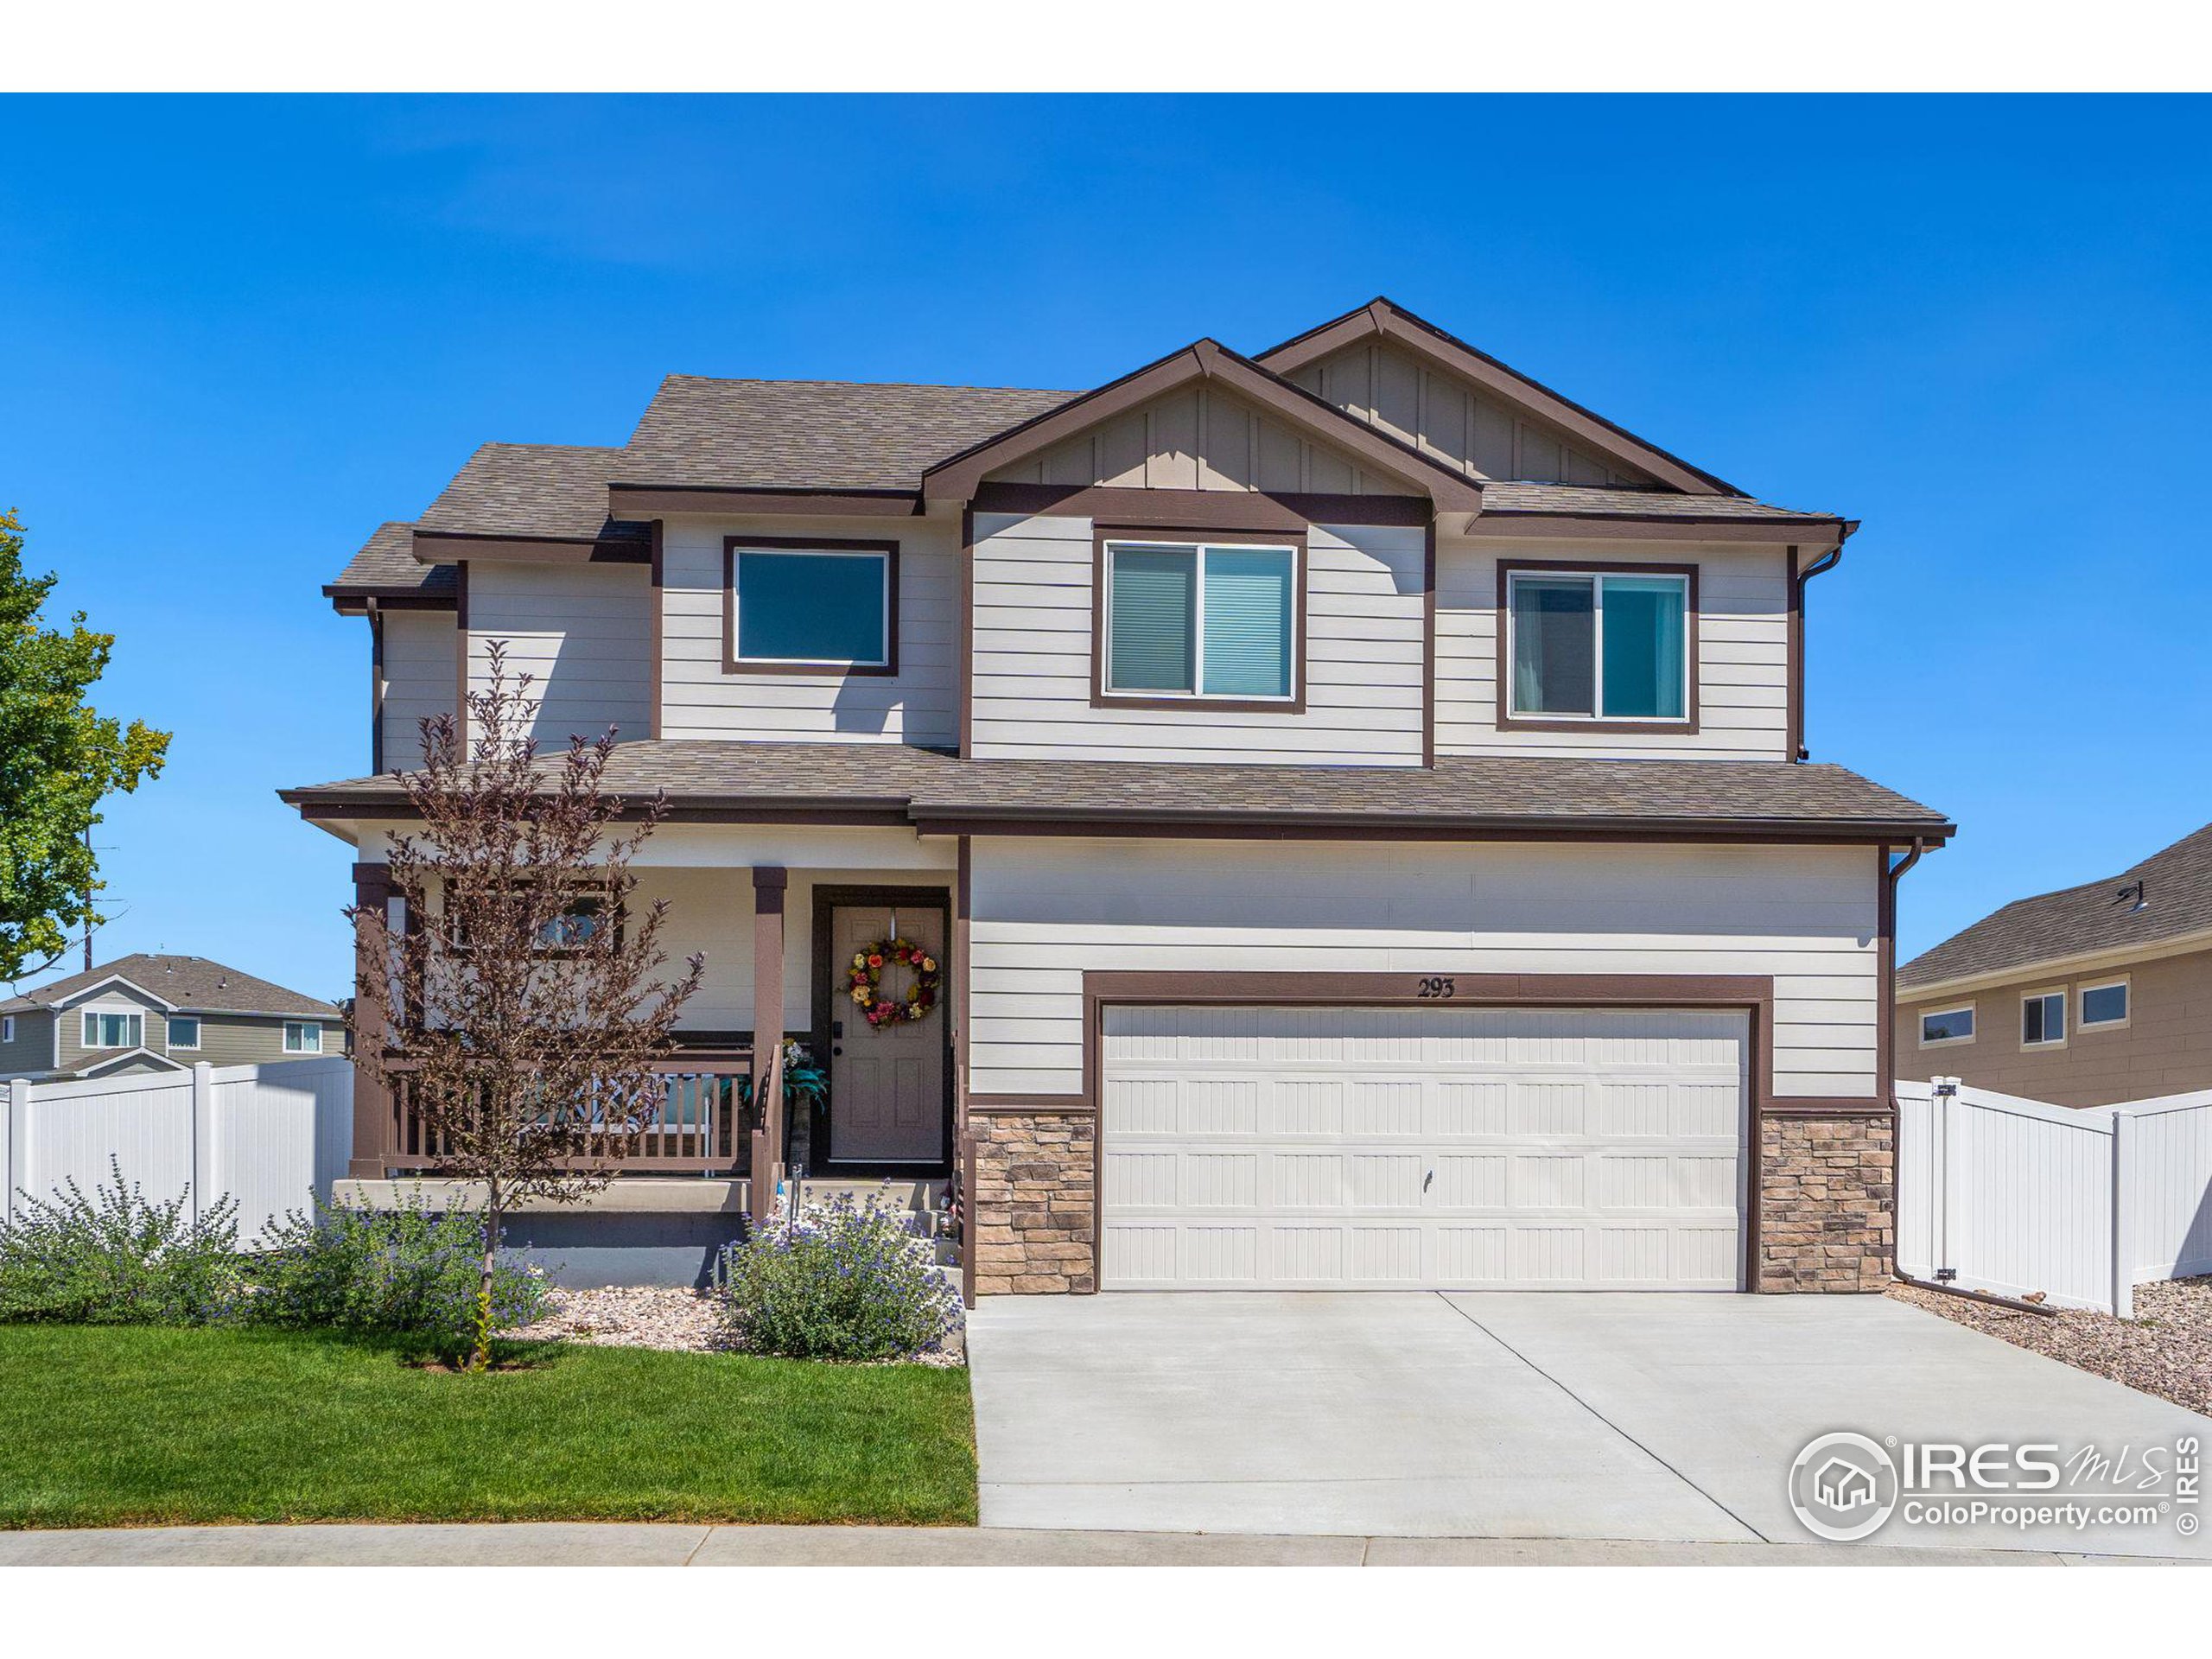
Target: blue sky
237	333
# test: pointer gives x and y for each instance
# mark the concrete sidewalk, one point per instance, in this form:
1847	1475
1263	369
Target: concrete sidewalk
569	1544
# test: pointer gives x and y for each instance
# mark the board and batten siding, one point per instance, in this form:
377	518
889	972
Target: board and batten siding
1033	656
421	674
1743	653
1043	911
582	632
920	704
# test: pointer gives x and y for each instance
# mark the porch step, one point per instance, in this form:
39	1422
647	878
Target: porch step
918	1196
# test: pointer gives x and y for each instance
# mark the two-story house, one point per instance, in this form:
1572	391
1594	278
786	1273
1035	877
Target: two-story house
1356	797
144	1014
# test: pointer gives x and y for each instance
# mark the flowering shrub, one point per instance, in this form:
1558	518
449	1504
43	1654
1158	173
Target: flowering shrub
117	1258
412	1271
844	1281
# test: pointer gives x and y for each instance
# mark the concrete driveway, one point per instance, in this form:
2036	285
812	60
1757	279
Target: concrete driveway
1506	1415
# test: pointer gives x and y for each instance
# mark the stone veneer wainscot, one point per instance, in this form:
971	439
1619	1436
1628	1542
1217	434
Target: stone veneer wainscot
1036	1229
1827	1203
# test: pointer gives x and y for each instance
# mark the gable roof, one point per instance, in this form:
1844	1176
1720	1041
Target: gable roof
188	984
386	568
1386	318
531	491
2094	919
1208	359
1495	795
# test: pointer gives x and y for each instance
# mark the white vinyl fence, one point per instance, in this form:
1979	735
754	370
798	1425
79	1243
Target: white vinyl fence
266	1135
2082	1204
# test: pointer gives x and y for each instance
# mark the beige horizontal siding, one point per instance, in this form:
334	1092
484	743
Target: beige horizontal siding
579	630
1033	656
421	674
1742	659
1045	911
920	704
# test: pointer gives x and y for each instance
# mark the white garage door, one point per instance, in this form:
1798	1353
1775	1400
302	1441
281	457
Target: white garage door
1455	1147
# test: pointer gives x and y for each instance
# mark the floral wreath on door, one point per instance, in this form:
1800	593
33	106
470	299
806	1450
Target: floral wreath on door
865	983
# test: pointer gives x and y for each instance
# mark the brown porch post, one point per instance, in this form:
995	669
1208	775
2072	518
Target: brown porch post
769	882
373	1126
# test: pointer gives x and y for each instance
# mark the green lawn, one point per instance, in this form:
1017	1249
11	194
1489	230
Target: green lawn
136	1426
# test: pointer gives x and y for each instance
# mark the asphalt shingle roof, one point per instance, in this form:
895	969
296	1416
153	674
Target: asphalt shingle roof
192	984
816	434
923	784
534	490
386	565
1512	496
2077	921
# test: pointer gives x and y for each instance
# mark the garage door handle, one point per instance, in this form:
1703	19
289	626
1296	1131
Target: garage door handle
1427	1178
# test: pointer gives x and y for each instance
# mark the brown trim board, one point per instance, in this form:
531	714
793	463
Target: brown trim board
648	500
449	546
375	689
1507	721
461	652
655	599
1257	510
965	568
1428	644
1198	704
823	1004
732	664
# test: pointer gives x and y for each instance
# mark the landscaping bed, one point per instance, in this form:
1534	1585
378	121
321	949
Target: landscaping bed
2165	1350
136	1425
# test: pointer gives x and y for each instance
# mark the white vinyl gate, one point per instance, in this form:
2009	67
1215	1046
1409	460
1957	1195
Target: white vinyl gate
1453	1147
2077	1204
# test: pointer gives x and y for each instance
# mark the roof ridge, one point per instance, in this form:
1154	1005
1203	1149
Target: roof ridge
870	386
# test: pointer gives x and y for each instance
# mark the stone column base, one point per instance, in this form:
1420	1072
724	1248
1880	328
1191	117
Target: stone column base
1828	1204
1030	1218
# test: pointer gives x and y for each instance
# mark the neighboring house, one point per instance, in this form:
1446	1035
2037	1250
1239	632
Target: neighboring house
159	1013
2081	997
1357	796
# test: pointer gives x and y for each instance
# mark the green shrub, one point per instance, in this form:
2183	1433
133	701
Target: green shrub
846	1282
117	1258
411	1271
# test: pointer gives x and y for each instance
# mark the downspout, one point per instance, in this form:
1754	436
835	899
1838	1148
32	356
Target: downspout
1886	1008
1826	563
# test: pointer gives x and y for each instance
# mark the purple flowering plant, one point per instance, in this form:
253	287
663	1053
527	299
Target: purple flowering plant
841	1280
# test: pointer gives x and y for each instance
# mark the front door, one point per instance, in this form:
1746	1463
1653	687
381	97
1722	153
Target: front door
887	1082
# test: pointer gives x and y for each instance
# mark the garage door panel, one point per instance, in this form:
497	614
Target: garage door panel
1589	1149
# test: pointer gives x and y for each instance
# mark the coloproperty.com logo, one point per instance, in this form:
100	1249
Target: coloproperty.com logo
1846	1486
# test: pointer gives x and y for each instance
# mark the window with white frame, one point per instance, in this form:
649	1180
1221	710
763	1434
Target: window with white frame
1946	1026
826	606
1199	619
2104	1005
184	1031
1596	645
302	1037
105	1030
2042	1020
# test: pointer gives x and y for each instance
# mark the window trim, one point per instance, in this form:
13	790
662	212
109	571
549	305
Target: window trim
7	1027
168	1034
2065	1013
1685	724
93	1045
2082	1021
1966	1008
1158	535
284	1037
732	663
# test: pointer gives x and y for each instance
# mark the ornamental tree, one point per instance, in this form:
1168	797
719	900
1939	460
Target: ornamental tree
522	997
58	759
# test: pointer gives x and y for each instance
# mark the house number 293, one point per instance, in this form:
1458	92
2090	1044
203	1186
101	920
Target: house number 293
1436	990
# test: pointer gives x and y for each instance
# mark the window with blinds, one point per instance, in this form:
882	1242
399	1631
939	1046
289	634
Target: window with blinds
1193	619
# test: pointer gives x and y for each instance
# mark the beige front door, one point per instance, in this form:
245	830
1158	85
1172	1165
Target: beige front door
887	1084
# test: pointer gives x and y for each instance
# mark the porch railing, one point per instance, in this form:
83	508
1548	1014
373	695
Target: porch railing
702	1125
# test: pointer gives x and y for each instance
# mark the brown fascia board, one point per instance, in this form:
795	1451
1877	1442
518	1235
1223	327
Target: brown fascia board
453	546
1815	535
1206	359
1387	317
632	500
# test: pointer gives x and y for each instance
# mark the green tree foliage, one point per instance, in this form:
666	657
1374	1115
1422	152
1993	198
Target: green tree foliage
58	759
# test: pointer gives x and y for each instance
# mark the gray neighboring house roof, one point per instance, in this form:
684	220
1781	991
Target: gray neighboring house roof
2094	918
1499	794
190	984
816	434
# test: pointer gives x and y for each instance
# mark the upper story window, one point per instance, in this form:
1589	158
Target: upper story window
1599	646
7	1027
302	1037
114	1030
2042	1020
1203	620
2104	1005
184	1031
811	606
1946	1026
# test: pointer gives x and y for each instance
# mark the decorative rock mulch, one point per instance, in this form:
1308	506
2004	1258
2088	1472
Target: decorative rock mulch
652	1316
2165	1350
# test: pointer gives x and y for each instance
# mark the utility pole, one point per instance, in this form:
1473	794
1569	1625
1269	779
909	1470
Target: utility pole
88	901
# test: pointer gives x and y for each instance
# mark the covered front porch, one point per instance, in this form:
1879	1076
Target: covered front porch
779	914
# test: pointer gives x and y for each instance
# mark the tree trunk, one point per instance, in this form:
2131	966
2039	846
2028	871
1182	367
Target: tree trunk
479	1356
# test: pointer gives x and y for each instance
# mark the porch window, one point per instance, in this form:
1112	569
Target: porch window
114	1030
1185	619
1599	646
302	1037
814	606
